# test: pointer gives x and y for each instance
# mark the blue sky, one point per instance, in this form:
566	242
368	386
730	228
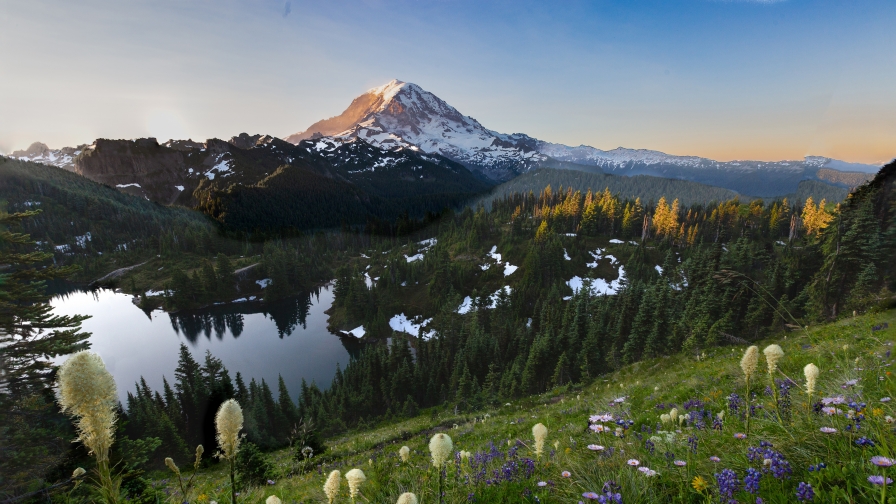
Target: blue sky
722	79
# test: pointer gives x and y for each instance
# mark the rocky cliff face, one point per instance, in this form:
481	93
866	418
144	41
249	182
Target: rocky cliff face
141	167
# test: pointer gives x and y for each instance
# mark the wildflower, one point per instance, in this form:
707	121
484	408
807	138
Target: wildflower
833	400
272	482
773	354
728	482
829	410
811	372
440	446
407	498
699	484
307	452
331	487
404	453
863	441
828	430
804	492
740	435
598	428
540	433
169	463
665	418
590	495
87	391
889	419
885	399
680	463
556	445
647	471
465	455
542	483
566	474
595	447
882	461
879	480
228	422
715	459
751	480
633	462
354	478
273	500
673	415
78	472
750	361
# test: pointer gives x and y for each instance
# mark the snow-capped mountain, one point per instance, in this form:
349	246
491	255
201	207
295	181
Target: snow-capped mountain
401	114
40	153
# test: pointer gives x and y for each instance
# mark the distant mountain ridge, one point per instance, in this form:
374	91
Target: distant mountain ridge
404	114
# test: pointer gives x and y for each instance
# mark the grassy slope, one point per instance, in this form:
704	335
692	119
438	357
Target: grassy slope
709	378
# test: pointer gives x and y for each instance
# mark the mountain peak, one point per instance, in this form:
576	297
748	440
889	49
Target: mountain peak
400	114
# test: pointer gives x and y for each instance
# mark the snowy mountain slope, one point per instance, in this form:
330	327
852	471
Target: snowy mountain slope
400	114
40	153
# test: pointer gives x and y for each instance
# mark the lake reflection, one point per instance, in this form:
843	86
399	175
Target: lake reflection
288	338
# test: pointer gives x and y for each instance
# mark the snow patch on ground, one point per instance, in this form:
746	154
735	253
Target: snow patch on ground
467	305
179	187
83	239
566	255
264	283
415	257
615	240
356	332
401	323
493	253
597	286
122	186
659	269
509	269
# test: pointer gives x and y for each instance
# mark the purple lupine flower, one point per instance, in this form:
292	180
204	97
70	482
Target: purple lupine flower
751	480
804	492
728	483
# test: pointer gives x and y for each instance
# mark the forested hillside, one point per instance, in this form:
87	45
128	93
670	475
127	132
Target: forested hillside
563	287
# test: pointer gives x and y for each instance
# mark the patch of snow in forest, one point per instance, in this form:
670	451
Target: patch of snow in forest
659	269
509	269
403	324
615	240
570	234
466	306
597	286
179	187
356	332
122	186
83	239
264	283
566	255
415	257
493	253
428	243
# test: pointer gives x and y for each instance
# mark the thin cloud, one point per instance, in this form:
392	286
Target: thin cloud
287	9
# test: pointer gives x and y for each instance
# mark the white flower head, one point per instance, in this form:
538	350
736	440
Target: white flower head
331	487
540	433
773	354
750	361
441	448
